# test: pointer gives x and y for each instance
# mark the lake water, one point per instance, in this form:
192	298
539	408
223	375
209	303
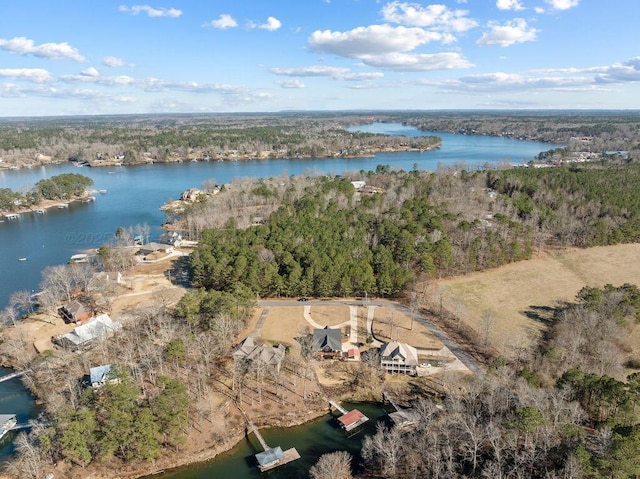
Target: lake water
135	194
311	440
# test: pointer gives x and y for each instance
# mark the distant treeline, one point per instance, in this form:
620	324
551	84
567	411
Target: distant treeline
303	134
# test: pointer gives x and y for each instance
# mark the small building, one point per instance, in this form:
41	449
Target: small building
398	357
270	458
327	343
96	329
352	419
359	184
101	375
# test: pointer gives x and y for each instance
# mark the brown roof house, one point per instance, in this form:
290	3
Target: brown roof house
398	357
74	312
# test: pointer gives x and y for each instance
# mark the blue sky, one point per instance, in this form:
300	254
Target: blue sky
68	57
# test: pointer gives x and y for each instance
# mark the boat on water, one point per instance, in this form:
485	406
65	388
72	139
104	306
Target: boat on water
22	259
40	211
104	192
7	423
63	205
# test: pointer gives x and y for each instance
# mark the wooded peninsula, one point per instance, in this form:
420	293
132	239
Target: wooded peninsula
185	375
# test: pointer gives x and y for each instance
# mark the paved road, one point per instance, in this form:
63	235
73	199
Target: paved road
460	353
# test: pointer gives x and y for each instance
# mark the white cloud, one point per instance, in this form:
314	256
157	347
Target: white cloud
53	51
418	62
38	75
563	4
84	77
514	31
294	83
627	72
313	71
538	10
500	82
372	40
90	72
363	76
437	17
337	73
272	24
509	5
115	62
150	11
223	22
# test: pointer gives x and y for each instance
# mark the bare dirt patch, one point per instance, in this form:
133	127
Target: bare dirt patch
519	296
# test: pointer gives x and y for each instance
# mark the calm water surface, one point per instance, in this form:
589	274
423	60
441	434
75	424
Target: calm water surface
311	440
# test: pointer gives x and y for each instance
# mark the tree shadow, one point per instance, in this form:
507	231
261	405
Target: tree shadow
541	314
178	274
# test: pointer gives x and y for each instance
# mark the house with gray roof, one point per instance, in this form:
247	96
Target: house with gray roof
96	329
327	343
270	356
398	357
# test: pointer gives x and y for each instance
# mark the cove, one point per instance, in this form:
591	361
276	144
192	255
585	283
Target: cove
312	439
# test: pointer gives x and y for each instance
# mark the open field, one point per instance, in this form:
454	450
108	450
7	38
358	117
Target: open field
514	298
392	325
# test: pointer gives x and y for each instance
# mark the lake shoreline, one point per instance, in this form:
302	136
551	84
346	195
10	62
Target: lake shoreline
48	204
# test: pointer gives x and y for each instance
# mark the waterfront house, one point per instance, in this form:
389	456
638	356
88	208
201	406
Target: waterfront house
96	329
327	343
398	357
269	356
172	238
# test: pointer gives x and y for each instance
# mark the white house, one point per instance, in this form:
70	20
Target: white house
398	357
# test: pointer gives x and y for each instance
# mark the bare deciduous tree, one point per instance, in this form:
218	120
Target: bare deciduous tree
334	465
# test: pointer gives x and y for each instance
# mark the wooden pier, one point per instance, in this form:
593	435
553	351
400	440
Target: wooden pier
349	420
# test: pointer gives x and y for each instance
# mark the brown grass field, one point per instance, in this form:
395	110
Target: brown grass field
392	325
512	291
